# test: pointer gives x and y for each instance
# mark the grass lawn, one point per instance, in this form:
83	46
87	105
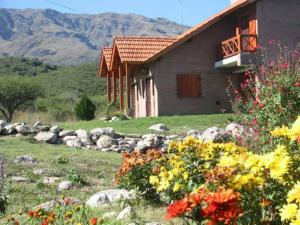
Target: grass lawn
96	168
176	124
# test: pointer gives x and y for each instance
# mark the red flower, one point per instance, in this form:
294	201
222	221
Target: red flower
93	221
68	201
284	66
45	222
297	84
16	223
177	208
31	213
254	122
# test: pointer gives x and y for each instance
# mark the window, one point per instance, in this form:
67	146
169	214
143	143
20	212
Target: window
188	86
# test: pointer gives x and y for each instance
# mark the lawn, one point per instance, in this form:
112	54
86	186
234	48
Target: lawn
96	168
176	124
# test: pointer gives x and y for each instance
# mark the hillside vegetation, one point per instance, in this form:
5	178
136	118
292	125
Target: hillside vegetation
62	86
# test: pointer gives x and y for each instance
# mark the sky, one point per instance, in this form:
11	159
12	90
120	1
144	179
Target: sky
187	12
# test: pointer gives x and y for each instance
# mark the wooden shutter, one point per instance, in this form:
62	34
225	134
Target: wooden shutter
188	86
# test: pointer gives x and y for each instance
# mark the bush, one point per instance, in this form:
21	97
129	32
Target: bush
85	109
270	93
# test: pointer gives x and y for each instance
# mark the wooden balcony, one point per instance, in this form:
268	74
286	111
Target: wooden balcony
237	44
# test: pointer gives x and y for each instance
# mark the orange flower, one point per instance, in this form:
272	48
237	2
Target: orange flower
45	222
31	213
16	223
177	208
93	221
265	203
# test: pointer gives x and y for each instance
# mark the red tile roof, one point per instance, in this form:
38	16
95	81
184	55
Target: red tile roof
105	60
202	26
139	49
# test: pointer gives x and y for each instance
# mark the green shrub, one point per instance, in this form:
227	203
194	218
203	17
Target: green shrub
85	109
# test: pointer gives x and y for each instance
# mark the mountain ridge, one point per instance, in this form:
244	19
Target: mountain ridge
69	38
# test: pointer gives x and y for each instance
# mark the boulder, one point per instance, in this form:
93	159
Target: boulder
97	132
214	134
47	206
55	129
109	196
192	133
149	141
235	130
65	133
109	215
3	123
84	137
105	141
9	129
43	128
47	137
158	127
25	159
23	129
74	143
124	213
19	179
65	185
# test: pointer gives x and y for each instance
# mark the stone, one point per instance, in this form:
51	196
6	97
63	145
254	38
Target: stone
115	118
25	159
50	180
47	137
37	124
97	132
19	179
3	123
124	213
214	134
9	129
65	185
235	130
149	141
74	143
192	133
39	171
105	141
158	127
47	206
55	129
65	133
23	129
109	215
84	137
108	196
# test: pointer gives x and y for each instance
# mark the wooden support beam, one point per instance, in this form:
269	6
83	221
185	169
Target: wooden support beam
114	87
108	87
121	91
127	86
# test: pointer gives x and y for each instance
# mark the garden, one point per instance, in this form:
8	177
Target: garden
249	179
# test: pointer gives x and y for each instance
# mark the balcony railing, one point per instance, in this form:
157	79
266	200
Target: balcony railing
238	44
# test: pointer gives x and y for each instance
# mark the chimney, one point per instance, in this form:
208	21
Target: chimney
233	1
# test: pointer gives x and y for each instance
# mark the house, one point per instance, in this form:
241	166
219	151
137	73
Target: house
189	74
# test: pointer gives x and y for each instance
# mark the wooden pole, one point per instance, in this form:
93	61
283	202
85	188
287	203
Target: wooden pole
121	87
114	87
108	88
127	86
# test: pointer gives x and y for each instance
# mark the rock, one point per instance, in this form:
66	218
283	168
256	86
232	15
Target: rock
9	129
124	213
84	137
235	130
25	159
47	137
47	206
65	185
105	141
214	134
74	143
23	129
19	179
109	196
39	171
158	127
115	118
37	124
172	137
50	180
149	141
192	133
109	215
97	132
153	223
65	133
55	129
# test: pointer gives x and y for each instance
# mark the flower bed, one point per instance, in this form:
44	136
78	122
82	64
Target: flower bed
223	183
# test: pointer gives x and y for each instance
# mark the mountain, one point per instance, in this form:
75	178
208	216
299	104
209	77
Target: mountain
68	39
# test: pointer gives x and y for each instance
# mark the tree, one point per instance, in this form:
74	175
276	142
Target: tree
17	92
85	109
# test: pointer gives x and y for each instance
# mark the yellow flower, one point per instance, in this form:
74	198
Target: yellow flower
177	187
288	212
294	194
281	132
154	180
295	130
